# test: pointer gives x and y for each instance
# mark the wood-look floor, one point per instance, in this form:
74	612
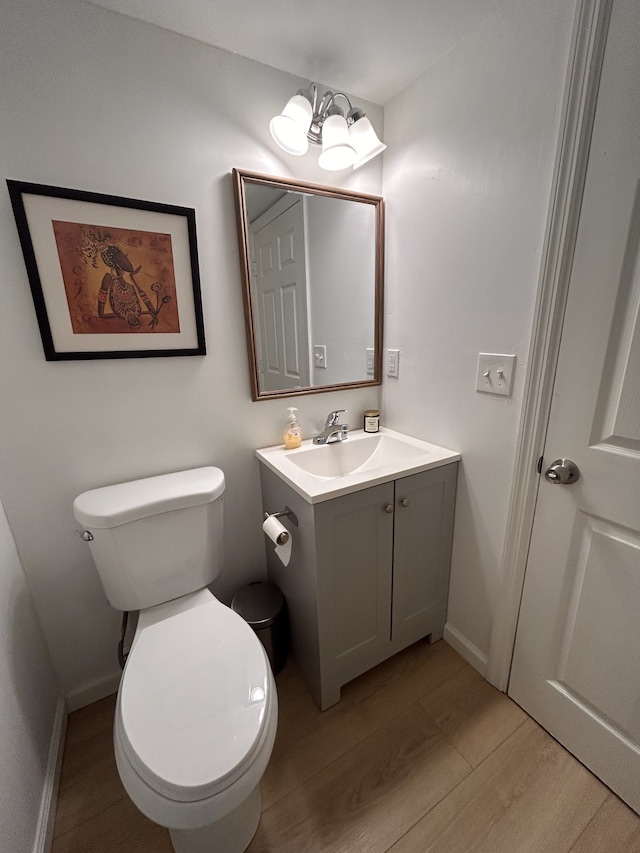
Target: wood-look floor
420	755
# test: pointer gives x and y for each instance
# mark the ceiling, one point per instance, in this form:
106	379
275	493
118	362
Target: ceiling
368	48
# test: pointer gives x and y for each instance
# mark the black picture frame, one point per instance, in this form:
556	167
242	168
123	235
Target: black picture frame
111	277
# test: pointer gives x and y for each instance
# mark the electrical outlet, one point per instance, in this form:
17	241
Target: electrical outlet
495	373
393	363
320	355
371	361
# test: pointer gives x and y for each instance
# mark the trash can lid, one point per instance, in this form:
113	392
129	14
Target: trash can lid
259	604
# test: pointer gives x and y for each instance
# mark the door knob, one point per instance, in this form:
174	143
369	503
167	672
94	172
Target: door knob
563	472
405	502
389	508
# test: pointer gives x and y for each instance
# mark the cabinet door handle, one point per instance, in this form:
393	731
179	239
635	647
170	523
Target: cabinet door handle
404	502
388	508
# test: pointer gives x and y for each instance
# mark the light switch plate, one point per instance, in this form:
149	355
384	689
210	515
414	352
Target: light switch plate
495	373
371	361
320	355
393	363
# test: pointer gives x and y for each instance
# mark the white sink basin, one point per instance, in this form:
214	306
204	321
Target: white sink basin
320	472
366	453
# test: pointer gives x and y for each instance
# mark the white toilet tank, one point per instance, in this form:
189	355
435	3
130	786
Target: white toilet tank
155	539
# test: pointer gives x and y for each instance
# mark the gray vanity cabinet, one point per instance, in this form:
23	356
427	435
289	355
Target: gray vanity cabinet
369	573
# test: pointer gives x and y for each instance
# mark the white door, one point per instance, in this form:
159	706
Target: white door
576	666
280	291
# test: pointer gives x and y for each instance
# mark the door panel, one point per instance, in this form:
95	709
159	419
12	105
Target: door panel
617	420
354	542
281	288
575	664
422	553
601	605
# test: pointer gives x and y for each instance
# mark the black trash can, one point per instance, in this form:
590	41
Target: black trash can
262	605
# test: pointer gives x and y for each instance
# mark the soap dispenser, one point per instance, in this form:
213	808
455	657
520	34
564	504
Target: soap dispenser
293	433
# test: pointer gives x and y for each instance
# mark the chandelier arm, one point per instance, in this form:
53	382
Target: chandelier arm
342	95
313	91
325	103
320	112
321	106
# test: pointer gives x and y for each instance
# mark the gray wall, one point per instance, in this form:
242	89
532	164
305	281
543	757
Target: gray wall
467	179
28	705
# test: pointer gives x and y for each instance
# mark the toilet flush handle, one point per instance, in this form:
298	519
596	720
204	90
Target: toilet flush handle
85	535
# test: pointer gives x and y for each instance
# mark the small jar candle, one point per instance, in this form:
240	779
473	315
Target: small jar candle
372	420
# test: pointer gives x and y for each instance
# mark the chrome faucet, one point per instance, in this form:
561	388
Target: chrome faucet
333	429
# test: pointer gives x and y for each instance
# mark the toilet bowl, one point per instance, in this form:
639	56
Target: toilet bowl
197	710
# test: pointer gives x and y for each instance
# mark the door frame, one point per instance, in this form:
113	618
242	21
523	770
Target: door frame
588	43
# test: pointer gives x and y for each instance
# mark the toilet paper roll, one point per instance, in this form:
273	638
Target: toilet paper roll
278	533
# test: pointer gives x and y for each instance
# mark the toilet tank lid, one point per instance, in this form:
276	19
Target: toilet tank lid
111	506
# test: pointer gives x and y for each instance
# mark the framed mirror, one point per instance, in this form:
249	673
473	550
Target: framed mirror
312	264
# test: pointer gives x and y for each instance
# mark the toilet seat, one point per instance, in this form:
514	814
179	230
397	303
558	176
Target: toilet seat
195	701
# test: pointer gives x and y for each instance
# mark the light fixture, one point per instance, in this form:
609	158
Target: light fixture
306	118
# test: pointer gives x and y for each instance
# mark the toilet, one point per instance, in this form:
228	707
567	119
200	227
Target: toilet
197	708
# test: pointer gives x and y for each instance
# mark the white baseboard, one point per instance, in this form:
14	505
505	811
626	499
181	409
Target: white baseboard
93	692
47	816
466	649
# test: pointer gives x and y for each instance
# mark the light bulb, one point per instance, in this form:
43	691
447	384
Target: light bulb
337	150
364	139
289	129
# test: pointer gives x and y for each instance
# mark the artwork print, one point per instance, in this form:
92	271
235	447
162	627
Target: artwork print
117	280
110	277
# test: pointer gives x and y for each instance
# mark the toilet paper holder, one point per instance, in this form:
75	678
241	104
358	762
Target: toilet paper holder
278	533
283	512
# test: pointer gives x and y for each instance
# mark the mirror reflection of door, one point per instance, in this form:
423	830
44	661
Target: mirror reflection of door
279	271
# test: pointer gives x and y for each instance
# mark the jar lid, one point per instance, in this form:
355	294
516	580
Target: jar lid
371	413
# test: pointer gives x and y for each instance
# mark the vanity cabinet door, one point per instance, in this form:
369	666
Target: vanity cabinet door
424	508
354	542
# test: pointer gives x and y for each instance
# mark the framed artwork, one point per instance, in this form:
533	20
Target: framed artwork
110	277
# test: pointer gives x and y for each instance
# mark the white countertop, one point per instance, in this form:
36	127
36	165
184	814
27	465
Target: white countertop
321	472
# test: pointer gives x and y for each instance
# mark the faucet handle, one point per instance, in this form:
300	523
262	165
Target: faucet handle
334	417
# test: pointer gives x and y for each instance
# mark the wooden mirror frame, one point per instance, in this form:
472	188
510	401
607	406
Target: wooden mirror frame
240	177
